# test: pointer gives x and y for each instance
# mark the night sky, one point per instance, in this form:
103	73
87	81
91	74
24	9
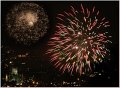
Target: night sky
37	62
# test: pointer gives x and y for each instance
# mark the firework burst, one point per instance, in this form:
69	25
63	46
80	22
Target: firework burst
80	40
27	22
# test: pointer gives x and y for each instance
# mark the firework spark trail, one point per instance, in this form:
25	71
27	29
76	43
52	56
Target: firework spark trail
78	40
27	22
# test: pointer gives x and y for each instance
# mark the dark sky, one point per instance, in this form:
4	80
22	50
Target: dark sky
37	51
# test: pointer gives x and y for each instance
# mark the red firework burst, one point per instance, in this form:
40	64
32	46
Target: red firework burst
79	40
